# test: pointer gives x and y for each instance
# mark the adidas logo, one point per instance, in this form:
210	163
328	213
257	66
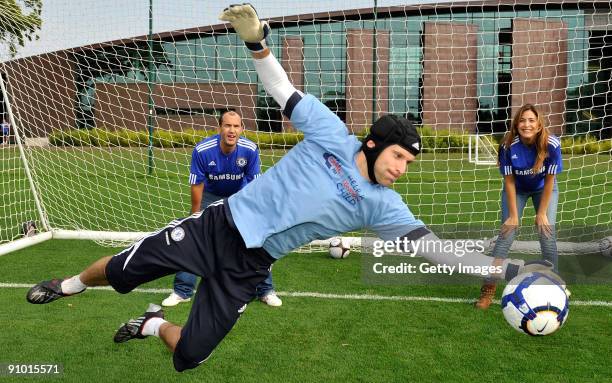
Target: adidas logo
514	157
212	163
416	146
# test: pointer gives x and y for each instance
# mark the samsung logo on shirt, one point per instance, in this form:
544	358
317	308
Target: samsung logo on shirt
227	176
528	172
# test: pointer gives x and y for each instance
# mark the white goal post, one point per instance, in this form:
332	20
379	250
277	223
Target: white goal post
97	132
482	149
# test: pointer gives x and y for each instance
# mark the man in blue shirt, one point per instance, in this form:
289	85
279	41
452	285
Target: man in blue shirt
6	131
328	184
220	166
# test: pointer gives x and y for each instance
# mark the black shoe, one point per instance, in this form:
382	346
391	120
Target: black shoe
46	292
133	328
28	228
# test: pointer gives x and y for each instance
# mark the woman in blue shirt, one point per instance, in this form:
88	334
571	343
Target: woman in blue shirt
529	160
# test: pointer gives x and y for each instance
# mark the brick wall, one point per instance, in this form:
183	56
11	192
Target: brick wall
539	68
292	57
42	92
449	76
125	105
360	76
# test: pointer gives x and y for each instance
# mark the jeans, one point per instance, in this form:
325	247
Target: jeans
185	283
548	244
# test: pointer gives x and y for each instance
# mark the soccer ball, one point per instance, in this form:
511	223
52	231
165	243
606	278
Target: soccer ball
535	303
339	248
605	247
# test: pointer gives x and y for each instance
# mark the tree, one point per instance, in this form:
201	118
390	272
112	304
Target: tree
19	20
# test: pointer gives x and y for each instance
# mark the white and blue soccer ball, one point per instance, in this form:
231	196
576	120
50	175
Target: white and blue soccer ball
339	248
536	303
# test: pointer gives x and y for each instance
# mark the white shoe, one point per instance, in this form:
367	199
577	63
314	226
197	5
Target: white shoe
271	300
173	300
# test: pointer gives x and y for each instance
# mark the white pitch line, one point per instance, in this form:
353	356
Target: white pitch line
362	297
414	299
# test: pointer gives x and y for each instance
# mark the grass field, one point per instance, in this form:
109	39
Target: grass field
110	189
309	339
333	326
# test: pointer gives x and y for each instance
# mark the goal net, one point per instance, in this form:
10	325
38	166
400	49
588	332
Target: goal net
103	111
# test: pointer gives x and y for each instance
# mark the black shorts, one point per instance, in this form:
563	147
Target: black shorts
206	244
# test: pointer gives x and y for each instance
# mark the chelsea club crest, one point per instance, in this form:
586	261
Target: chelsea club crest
241	161
177	234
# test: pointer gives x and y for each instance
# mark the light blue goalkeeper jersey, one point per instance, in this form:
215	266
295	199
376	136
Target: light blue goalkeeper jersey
316	191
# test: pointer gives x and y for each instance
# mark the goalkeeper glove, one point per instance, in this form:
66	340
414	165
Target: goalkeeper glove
246	23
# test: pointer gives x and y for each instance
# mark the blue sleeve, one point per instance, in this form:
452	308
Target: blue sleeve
555	162
505	163
316	120
196	175
394	219
254	165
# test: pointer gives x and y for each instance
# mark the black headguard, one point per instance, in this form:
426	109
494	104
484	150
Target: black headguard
386	131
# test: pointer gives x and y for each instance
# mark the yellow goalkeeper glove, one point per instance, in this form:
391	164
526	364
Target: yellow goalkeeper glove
247	25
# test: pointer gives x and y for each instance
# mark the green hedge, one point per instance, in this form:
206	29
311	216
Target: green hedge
585	144
162	138
442	140
433	141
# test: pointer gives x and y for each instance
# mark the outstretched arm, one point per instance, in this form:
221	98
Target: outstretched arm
395	222
497	268
253	32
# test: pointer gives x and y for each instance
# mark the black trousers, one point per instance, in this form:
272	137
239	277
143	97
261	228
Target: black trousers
209	245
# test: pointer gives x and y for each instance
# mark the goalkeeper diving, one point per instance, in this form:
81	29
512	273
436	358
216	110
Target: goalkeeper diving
328	184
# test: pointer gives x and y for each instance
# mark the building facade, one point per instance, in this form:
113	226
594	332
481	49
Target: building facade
458	66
